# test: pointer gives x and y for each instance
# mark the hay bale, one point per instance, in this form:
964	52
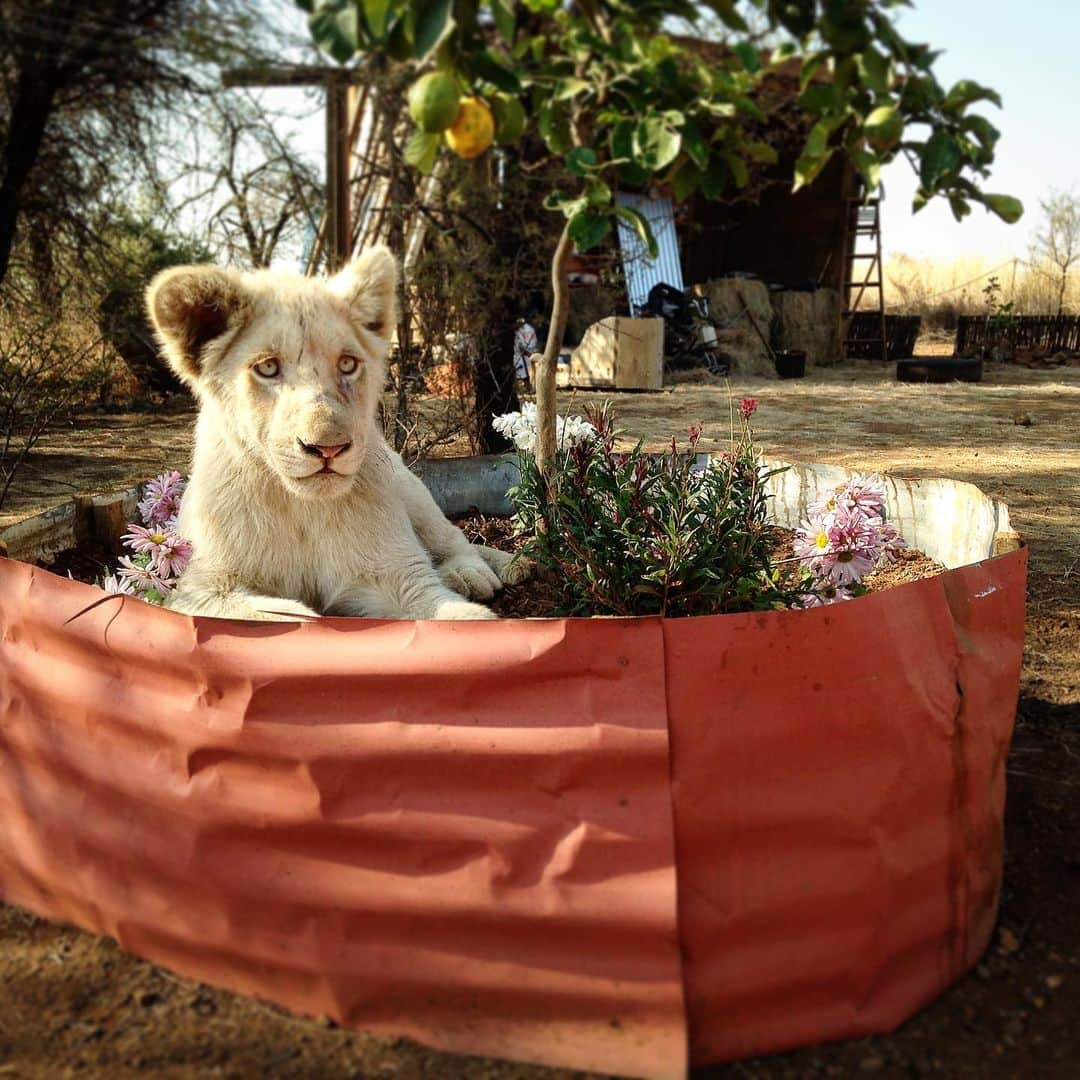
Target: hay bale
810	321
732	301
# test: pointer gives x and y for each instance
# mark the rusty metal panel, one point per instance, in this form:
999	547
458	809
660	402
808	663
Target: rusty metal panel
416	828
463	832
838	784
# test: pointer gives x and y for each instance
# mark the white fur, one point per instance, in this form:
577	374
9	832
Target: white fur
275	538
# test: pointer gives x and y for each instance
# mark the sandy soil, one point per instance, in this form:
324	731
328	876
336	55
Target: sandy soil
74	1005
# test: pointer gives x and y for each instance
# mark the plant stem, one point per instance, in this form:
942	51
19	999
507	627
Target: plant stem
545	375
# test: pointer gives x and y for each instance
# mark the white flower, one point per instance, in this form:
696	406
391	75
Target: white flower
520	427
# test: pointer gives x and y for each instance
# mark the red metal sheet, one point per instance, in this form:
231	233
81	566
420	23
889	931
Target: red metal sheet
463	832
838	784
460	832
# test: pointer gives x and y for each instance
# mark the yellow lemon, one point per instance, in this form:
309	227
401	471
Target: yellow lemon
473	130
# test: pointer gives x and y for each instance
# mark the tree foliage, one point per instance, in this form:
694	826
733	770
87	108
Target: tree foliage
1057	240
622	101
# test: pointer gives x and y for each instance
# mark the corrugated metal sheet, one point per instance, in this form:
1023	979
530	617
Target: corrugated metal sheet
463	832
641	272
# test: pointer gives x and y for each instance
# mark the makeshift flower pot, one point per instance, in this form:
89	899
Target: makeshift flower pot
612	844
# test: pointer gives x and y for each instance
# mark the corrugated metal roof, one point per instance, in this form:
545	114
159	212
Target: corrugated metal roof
642	273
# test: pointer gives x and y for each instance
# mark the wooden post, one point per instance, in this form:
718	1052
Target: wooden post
339	225
341	128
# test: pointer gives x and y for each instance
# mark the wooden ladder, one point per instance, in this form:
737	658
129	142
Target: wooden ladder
863	220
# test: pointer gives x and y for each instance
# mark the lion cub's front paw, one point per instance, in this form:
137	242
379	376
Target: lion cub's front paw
461	609
469	575
512	569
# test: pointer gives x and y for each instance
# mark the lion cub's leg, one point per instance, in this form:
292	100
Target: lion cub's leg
410	590
473	570
239	604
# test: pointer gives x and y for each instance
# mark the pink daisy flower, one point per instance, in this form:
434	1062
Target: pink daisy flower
863	492
145	541
172	556
141	578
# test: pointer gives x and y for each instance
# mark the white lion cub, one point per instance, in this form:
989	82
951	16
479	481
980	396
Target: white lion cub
296	506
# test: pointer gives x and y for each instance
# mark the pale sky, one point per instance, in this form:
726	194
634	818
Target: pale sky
1026	50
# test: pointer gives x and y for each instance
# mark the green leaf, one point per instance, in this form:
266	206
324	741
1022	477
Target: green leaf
655	145
817	140
874	70
748	56
421	150
376	15
554	127
884	127
580	160
761	152
1005	206
965	92
693	142
739	171
982	129
820	98
687	180
486	65
807	169
960	207
587	229
641	227
597	192
715	179
433	22
940	159
568	89
503	10
336	30
869	166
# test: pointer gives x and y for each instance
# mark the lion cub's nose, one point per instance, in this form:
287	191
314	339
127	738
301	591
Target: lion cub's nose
327	452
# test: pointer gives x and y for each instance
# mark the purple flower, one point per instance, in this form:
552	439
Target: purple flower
162	501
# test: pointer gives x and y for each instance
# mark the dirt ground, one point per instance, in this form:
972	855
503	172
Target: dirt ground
74	1005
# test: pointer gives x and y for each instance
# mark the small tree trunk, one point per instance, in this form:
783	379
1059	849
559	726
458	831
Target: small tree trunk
545	374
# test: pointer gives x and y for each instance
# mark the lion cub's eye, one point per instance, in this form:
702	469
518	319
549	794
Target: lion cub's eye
347	364
270	368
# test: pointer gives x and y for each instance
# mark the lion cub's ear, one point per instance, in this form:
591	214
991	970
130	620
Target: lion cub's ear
369	286
191	306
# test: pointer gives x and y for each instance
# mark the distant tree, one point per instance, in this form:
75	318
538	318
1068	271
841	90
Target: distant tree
90	96
259	192
1057	241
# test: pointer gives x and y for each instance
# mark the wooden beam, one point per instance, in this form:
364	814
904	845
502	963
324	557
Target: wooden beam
300	75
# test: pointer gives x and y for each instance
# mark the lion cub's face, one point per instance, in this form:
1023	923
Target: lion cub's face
295	366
